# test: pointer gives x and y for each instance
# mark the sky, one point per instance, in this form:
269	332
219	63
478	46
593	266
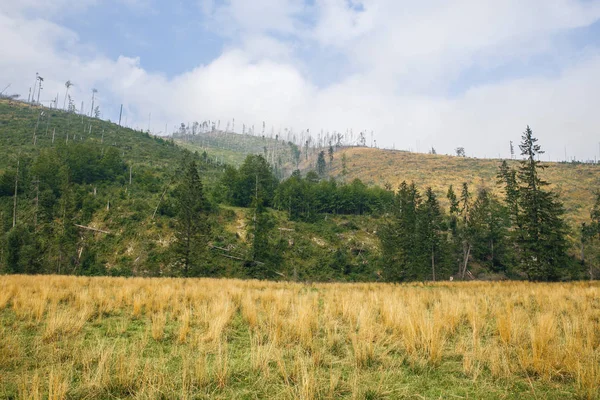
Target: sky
419	74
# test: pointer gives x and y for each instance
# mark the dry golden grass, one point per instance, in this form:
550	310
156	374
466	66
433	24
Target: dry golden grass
69	337
574	182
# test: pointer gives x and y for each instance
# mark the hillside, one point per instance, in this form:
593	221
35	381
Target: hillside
78	171
574	182
97	198
28	129
232	148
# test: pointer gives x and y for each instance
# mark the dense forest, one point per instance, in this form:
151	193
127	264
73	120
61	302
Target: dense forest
83	196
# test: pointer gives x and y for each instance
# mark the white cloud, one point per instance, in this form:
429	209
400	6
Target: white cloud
404	55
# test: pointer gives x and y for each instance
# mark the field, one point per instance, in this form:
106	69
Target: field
73	337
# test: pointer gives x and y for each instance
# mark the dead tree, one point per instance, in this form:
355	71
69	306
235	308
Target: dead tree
16	191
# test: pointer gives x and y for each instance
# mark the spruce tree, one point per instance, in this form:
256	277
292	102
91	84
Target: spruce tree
321	163
465	230
541	230
398	237
429	233
508	178
489	222
192	228
590	240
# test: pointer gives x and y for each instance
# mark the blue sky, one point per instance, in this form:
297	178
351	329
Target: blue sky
439	73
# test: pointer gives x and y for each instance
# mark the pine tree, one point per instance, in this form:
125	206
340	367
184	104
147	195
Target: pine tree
321	163
590	240
489	222
508	177
192	229
541	230
399	239
263	254
429	231
595	214
465	230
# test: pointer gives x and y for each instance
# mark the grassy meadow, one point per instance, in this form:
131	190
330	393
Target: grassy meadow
73	337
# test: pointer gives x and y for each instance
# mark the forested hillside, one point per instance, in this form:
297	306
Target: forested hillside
85	196
79	195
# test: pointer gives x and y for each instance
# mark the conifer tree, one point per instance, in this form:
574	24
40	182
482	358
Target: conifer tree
489	223
508	178
321	163
542	231
192	229
398	236
465	231
430	226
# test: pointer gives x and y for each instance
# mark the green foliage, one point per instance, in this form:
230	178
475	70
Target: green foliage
398	235
254	178
22	251
541	231
489	225
429	232
192	227
264	253
309	198
321	163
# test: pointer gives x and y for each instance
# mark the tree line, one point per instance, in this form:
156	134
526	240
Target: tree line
523	235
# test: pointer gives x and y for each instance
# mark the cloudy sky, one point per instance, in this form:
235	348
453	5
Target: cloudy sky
469	73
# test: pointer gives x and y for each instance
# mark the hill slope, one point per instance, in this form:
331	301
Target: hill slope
574	182
95	177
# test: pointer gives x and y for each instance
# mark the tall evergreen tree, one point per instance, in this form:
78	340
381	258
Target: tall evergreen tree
590	241
263	254
398	236
542	231
489	222
508	178
465	230
254	167
429	233
192	228
321	163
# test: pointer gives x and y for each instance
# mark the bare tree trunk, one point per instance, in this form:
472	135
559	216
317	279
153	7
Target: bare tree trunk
433	263
466	260
37	197
159	201
15	197
36	126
